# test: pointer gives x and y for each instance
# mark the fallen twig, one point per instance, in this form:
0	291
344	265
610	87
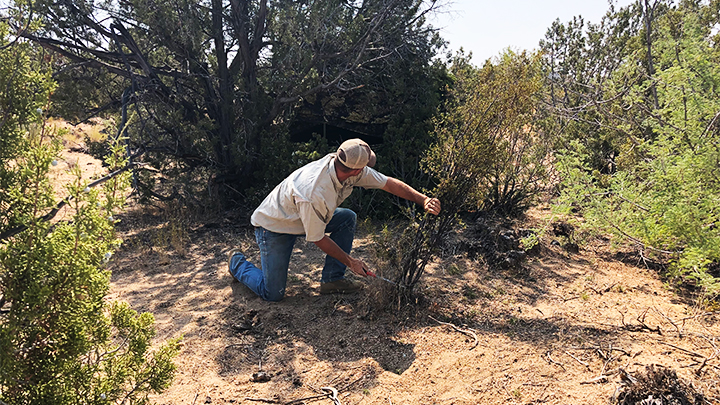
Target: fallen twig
347	387
578	360
468	332
679	331
314	397
699	315
641	320
269	401
601	353
599	379
682	349
641	326
608	357
328	392
704	363
332	394
604	290
550	359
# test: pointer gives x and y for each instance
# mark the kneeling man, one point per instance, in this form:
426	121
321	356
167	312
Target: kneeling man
306	204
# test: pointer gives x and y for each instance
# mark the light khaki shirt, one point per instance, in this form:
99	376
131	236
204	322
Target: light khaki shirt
305	201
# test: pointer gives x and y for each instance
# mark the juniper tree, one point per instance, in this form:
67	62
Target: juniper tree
61	342
661	193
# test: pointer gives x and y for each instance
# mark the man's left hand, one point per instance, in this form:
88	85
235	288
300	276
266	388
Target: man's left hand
432	205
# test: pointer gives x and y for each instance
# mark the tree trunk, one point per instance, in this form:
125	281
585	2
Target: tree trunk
245	64
224	105
649	15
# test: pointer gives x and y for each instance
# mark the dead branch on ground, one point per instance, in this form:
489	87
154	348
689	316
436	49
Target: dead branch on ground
578	360
604	290
641	324
468	332
550	359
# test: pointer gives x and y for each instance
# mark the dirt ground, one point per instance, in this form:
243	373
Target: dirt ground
558	331
563	329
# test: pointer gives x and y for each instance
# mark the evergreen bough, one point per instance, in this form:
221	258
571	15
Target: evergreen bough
61	342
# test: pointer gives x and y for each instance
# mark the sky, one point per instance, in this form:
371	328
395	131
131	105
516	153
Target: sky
487	27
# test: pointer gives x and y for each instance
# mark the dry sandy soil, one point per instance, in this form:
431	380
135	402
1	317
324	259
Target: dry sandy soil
558	331
563	329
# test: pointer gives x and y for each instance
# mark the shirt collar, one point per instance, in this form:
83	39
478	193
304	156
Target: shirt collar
333	173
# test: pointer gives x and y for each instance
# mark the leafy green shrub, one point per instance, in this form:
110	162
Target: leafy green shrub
485	155
59	344
59	341
663	197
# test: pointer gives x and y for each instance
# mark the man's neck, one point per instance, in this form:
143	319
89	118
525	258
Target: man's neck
343	175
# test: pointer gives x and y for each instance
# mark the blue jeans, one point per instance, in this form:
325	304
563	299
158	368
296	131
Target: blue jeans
275	250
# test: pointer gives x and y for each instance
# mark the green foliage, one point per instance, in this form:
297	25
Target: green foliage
215	84
580	62
665	192
59	343
488	153
25	87
411	99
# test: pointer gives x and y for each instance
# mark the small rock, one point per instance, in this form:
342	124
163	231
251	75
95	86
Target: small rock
260	376
242	326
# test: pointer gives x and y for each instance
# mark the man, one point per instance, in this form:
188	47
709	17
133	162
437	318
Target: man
306	203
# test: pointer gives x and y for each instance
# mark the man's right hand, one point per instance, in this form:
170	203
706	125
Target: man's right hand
358	267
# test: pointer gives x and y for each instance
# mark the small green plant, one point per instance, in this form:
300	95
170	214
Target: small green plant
584	296
516	393
454	270
531	240
469	293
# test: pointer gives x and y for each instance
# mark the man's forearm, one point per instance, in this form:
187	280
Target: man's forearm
331	248
402	190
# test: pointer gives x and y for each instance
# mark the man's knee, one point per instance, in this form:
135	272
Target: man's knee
273	296
348	216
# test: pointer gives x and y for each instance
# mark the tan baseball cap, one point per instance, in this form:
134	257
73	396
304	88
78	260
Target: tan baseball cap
356	154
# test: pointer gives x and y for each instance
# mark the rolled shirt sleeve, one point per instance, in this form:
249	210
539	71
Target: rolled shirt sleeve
315	218
371	178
